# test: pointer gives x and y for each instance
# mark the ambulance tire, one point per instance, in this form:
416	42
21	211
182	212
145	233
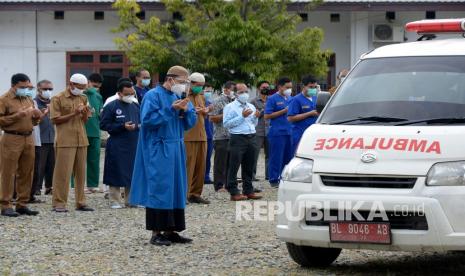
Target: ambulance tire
308	256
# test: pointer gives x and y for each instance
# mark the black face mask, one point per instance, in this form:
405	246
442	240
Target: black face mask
265	91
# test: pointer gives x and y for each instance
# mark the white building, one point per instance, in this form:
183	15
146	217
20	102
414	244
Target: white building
53	39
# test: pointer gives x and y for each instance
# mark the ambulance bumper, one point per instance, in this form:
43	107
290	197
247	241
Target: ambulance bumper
444	230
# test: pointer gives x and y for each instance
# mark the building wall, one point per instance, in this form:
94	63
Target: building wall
348	38
77	32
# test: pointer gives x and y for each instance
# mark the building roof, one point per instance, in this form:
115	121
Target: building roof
435	47
296	1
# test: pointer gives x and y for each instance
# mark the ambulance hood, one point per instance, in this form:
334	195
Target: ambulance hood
382	150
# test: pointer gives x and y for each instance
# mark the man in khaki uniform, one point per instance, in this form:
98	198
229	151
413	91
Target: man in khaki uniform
17	118
196	142
69	111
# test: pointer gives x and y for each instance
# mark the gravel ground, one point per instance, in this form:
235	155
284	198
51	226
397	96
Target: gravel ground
115	242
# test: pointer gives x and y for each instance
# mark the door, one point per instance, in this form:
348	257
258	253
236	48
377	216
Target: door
112	65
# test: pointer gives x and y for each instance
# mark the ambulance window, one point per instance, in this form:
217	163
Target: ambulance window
407	87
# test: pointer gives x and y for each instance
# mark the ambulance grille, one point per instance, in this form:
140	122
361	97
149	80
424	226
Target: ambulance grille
368	182
397	219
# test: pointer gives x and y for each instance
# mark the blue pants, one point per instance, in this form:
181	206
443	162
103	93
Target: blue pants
280	153
209	157
296	136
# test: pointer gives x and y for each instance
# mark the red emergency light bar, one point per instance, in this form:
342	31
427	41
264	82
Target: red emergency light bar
436	26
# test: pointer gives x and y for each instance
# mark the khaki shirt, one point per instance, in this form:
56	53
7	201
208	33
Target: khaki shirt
10	104
197	133
73	132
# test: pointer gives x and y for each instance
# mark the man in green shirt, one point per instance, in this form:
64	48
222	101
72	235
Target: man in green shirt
93	131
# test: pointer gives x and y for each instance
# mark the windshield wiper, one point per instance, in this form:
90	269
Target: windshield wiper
453	120
370	119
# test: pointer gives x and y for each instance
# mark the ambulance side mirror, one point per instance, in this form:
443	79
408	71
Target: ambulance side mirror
321	100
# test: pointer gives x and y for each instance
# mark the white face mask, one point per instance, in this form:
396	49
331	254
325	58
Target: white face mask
46	94
287	92
178	88
128	99
243	98
76	92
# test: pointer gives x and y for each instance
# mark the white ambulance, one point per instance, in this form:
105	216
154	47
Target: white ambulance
384	166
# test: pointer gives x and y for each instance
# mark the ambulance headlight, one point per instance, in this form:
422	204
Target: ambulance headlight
298	170
446	174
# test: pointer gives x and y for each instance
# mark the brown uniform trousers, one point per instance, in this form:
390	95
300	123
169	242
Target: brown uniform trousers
196	150
17	150
71	150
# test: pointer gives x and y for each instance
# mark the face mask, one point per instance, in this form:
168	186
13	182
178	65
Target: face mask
287	92
243	98
178	89
46	94
312	92
208	95
92	90
145	82
76	92
31	93
128	99
21	92
196	89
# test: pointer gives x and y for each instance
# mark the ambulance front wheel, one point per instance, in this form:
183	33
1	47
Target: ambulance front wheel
308	256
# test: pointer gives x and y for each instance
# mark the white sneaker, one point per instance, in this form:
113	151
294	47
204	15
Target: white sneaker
116	206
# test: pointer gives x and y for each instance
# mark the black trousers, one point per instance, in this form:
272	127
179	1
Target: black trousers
262	141
220	163
165	220
242	150
43	167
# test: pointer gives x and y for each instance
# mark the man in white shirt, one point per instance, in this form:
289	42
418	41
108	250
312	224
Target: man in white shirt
240	118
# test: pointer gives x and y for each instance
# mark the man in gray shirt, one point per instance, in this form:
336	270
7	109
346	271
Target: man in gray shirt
263	88
45	154
221	136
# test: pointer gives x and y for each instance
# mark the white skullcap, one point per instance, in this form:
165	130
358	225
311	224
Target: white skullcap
78	78
197	77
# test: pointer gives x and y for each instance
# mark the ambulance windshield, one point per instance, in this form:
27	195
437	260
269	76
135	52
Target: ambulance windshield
421	90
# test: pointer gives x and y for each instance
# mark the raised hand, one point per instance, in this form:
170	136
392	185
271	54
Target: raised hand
246	112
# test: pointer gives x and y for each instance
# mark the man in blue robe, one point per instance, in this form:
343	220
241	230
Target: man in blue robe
159	180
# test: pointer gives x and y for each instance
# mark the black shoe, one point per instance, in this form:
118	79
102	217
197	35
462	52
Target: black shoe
26	211
208	181
48	191
84	209
176	238
38	193
160	240
274	185
198	199
255	179
9	212
35	200
256	190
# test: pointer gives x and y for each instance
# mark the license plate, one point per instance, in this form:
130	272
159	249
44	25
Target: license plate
360	232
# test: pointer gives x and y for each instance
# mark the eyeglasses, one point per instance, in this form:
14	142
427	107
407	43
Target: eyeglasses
182	81
46	89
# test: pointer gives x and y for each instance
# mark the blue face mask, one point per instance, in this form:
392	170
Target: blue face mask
22	92
312	92
208	95
31	93
145	82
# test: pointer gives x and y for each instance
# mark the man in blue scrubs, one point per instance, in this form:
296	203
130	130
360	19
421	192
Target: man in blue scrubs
302	110
279	135
142	83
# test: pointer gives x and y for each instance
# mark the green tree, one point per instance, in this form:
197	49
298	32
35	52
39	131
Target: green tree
242	40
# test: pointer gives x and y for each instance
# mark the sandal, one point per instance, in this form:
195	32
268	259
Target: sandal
60	210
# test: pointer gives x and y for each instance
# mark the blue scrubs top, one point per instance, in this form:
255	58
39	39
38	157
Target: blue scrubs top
301	104
279	125
208	124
